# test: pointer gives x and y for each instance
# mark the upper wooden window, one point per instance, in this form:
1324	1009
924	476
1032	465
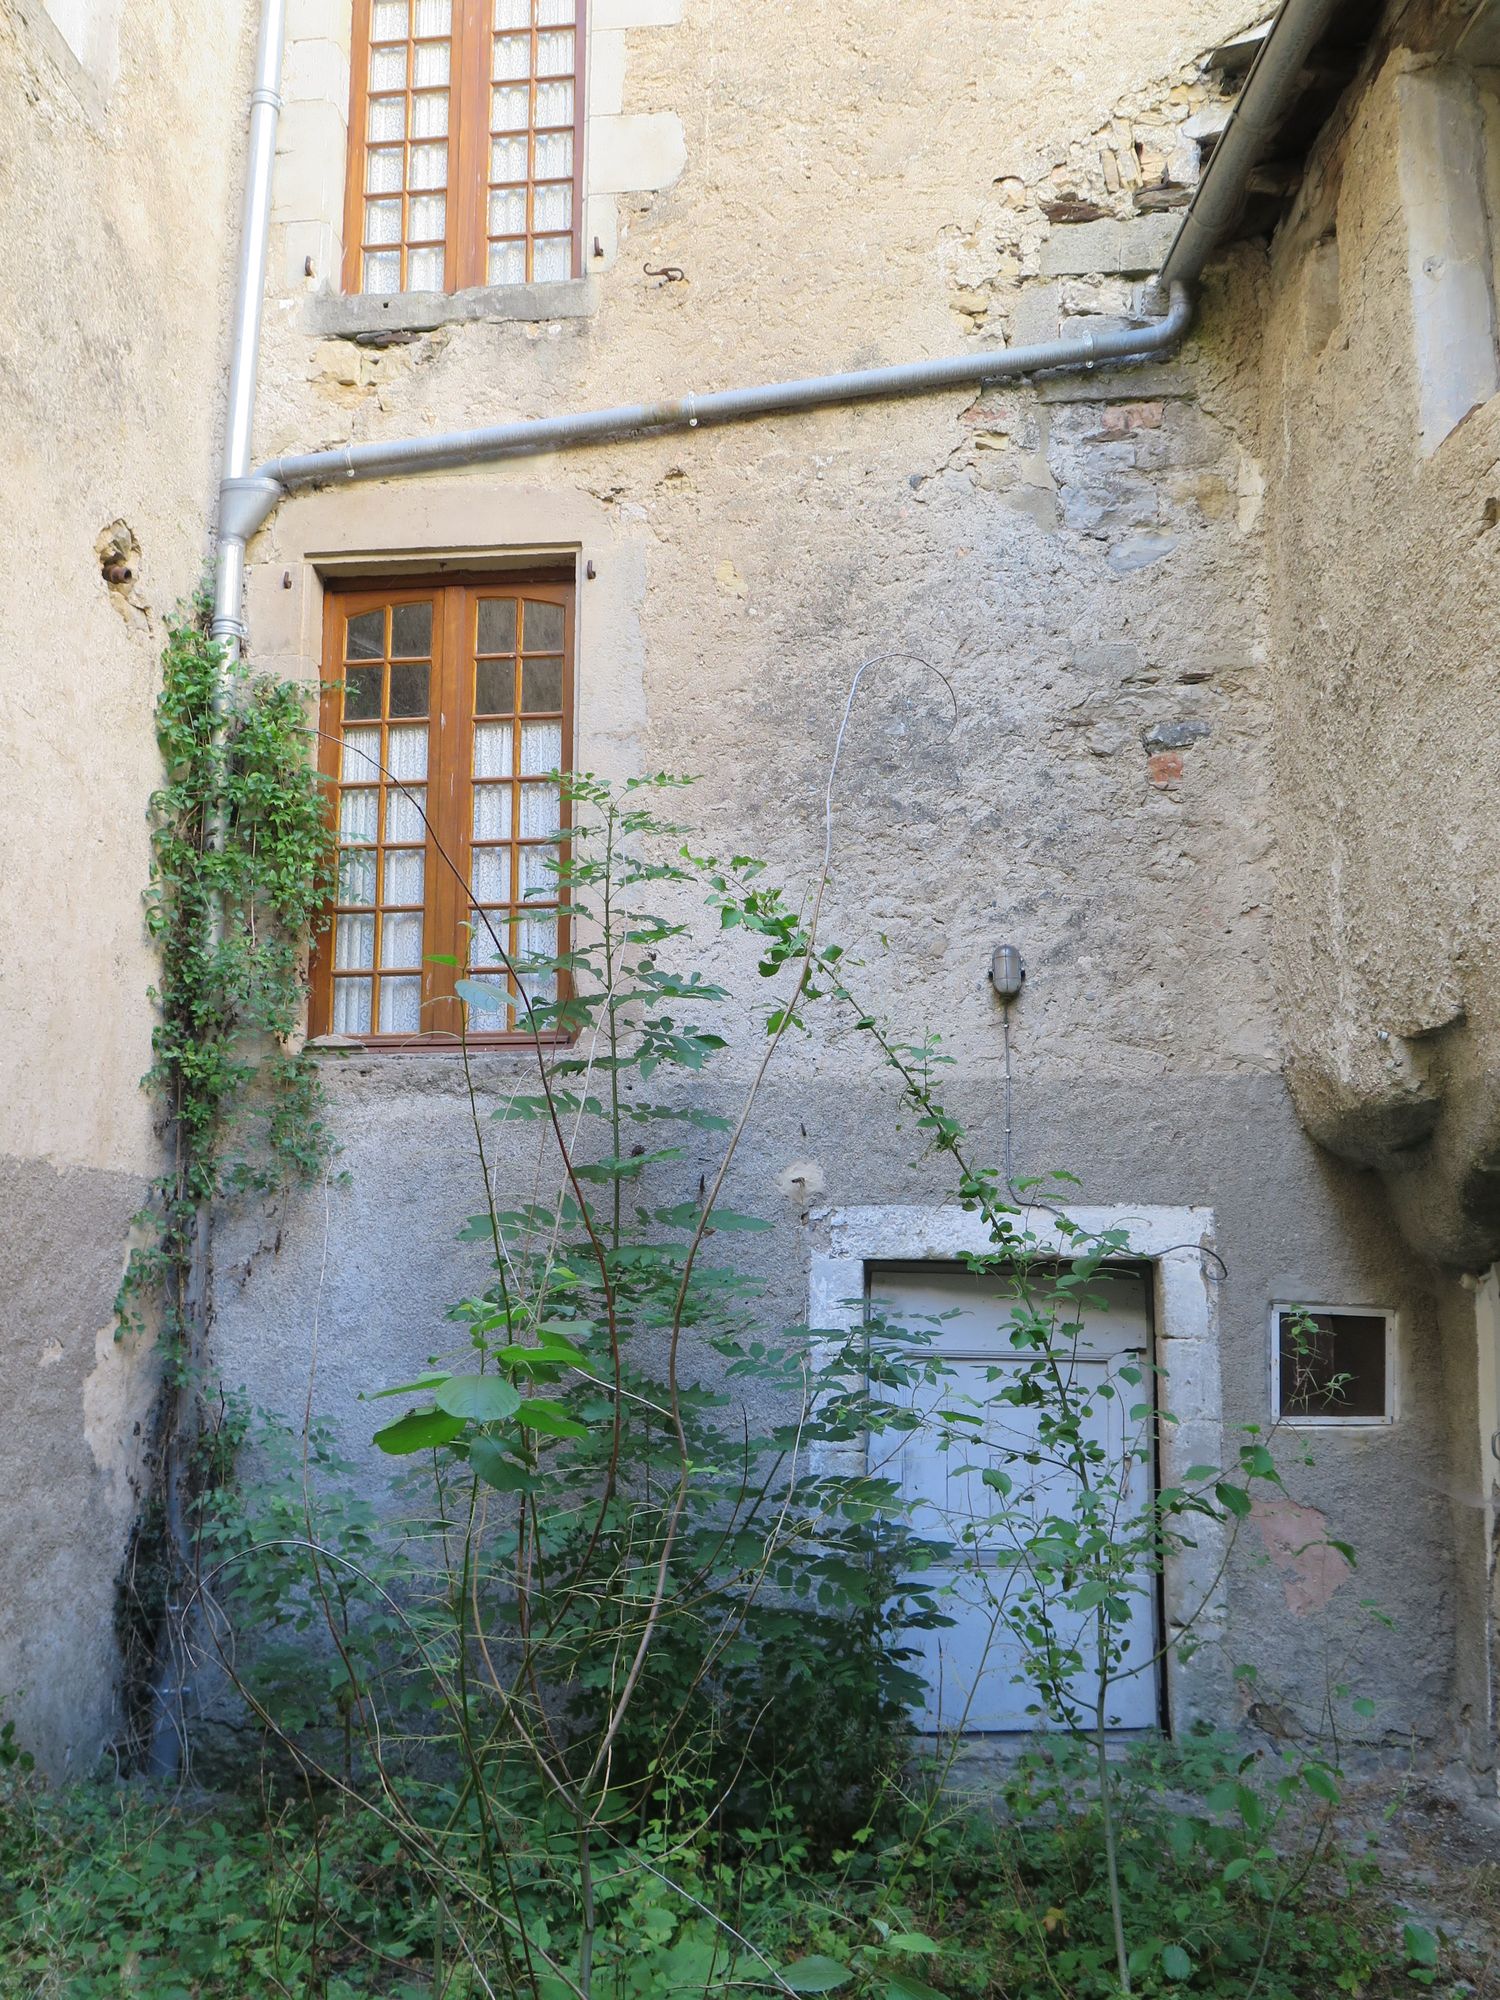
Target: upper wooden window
446	717
465	144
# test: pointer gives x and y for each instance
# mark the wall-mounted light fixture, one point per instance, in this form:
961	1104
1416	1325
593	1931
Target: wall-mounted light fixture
1007	973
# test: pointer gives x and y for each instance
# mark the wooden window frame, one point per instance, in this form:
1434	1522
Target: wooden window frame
450	786
467	238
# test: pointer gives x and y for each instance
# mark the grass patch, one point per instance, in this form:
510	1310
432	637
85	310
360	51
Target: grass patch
121	1891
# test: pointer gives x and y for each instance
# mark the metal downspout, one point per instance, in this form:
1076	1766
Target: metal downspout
1254	122
725	406
244	351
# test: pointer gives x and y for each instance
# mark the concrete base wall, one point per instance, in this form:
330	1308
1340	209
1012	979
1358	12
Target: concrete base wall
365	1278
71	1472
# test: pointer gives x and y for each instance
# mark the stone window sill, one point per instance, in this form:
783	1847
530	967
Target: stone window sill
340	1046
349	316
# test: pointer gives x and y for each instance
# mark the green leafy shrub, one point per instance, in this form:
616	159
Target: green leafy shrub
241	873
622	1705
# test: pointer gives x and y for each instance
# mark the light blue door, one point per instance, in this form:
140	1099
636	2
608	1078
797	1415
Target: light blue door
972	1668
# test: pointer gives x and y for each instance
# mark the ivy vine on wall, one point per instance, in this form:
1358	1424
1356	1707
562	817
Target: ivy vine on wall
242	861
241	874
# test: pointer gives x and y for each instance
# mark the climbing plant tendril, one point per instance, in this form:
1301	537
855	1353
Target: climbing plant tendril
241	874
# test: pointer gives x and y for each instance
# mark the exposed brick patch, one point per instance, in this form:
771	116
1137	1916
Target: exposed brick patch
1165	768
1119	420
1296	1540
1071	209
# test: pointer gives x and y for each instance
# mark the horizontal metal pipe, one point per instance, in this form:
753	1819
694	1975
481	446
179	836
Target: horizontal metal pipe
248	498
259	493
1262	105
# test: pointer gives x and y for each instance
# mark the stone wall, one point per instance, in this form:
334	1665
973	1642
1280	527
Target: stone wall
1385	565
1217	631
117	187
1086	565
1382	435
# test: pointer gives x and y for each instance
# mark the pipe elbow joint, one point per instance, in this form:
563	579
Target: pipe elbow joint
246	504
1173	300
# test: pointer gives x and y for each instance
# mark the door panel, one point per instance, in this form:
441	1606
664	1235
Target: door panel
970	1668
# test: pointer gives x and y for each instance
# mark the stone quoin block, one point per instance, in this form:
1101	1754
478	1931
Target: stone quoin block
1442	178
1128	249
638	153
316	71
606	84
310	146
636	13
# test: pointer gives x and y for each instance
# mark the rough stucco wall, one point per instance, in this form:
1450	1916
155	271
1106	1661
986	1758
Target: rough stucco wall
115	194
1385	565
1383	437
1084	563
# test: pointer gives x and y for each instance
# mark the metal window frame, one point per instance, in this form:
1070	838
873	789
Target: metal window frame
1344	1310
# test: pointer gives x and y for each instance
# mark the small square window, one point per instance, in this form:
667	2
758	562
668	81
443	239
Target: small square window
1333	1365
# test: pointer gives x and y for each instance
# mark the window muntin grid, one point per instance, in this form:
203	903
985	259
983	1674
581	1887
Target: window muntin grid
531	195
450	752
404	204
515	823
379	906
466	132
